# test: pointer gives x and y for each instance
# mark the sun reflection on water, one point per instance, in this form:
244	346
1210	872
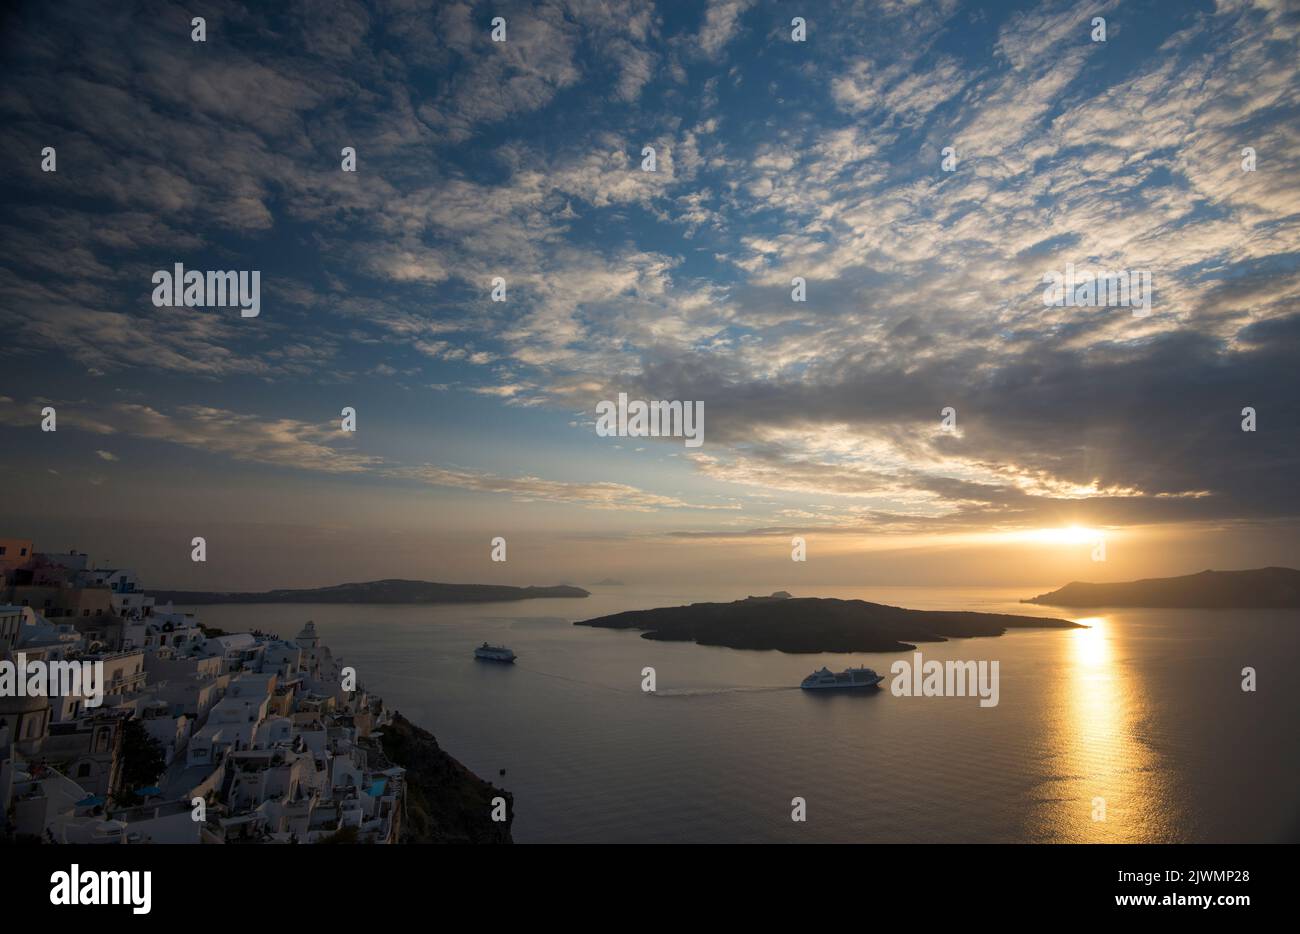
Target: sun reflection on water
1096	751
1091	650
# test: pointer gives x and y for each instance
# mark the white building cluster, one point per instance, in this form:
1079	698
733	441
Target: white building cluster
259	740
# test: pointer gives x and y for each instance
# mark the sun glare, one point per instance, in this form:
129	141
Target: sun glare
1071	535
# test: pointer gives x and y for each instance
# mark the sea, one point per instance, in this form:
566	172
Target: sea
1133	729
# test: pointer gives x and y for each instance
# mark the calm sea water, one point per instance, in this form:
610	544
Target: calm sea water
1144	709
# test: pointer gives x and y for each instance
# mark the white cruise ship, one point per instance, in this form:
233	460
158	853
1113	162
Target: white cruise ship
849	678
494	653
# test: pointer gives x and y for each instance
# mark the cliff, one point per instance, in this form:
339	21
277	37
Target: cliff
445	802
1261	588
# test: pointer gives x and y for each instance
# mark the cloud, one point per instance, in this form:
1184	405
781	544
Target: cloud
721	23
319	448
522	160
600	495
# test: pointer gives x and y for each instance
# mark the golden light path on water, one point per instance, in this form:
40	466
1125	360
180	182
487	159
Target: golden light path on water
1112	788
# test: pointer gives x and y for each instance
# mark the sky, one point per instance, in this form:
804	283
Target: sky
821	159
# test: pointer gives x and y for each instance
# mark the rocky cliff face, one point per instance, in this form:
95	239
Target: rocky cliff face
445	802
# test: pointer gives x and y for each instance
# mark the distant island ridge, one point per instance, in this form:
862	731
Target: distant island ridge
384	591
814	624
1257	589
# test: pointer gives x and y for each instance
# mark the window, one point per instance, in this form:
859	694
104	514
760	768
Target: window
22	553
3	549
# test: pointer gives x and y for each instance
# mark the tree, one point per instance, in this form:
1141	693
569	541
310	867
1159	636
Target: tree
142	759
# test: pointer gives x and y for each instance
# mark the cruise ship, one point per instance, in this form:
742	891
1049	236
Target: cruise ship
849	678
494	653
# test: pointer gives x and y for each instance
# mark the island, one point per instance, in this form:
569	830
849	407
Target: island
385	591
814	624
1258	589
